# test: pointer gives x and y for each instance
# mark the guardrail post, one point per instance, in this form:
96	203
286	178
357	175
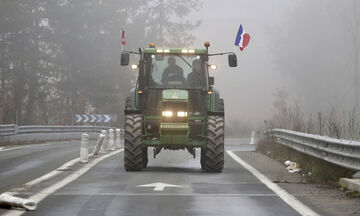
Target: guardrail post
111	140
118	139
105	141
84	148
98	145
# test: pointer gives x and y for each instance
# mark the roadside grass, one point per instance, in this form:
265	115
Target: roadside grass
315	170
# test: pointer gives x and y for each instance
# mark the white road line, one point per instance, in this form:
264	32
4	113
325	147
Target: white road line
49	175
21	147
285	196
163	194
51	189
1	148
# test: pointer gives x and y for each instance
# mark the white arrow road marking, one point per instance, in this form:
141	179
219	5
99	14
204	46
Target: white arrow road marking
159	186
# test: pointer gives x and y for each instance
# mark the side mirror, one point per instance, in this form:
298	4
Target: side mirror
125	57
211	81
232	60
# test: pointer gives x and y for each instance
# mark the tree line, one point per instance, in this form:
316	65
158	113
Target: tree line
61	57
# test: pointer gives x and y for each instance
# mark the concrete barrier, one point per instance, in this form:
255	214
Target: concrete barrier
84	148
117	139
111	140
104	144
98	145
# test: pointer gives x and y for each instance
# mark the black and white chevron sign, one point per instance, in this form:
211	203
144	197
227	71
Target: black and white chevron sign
85	118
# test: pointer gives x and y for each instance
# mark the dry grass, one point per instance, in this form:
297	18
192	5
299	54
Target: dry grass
321	171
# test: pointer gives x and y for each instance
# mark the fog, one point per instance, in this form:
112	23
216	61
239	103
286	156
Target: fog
61	57
307	48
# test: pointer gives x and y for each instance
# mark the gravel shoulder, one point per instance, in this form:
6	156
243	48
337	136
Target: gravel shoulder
325	200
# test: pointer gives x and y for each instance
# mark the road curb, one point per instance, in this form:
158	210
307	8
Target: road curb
351	184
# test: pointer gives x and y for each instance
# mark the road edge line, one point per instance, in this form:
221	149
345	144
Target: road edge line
284	195
38	197
24	146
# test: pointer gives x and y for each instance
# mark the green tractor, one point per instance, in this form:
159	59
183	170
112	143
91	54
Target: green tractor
174	106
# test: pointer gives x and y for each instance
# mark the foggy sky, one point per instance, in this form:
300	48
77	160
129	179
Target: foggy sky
300	46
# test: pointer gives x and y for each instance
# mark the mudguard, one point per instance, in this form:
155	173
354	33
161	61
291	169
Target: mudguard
130	107
218	105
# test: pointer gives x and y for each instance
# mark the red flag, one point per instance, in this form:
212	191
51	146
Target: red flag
245	41
123	36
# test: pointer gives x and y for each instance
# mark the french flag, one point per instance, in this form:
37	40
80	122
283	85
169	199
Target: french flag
123	36
242	38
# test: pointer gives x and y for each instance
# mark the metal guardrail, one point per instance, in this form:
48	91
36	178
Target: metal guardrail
11	129
58	129
8	129
13	133
345	153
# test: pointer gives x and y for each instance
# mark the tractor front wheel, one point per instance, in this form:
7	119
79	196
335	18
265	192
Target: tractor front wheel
214	151
133	154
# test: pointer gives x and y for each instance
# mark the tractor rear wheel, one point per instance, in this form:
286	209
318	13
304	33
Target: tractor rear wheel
133	154
214	155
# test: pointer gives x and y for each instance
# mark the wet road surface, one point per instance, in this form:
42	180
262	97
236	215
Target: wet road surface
20	164
107	189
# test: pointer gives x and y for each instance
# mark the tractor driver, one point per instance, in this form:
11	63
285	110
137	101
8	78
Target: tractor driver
194	81
194	78
172	73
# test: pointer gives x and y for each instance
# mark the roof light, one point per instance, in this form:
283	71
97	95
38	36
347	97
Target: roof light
152	45
210	92
139	91
166	51
192	51
159	50
184	51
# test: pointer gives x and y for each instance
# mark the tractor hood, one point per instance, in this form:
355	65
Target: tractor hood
175	94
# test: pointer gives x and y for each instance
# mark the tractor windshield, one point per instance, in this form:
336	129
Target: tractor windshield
175	71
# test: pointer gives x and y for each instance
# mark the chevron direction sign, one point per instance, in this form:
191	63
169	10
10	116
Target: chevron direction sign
85	118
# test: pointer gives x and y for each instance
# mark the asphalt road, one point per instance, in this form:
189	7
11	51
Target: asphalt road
21	164
107	189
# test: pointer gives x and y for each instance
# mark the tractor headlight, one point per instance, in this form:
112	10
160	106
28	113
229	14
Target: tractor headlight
167	113
181	114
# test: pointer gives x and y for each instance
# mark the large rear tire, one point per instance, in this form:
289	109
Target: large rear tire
214	155
133	154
